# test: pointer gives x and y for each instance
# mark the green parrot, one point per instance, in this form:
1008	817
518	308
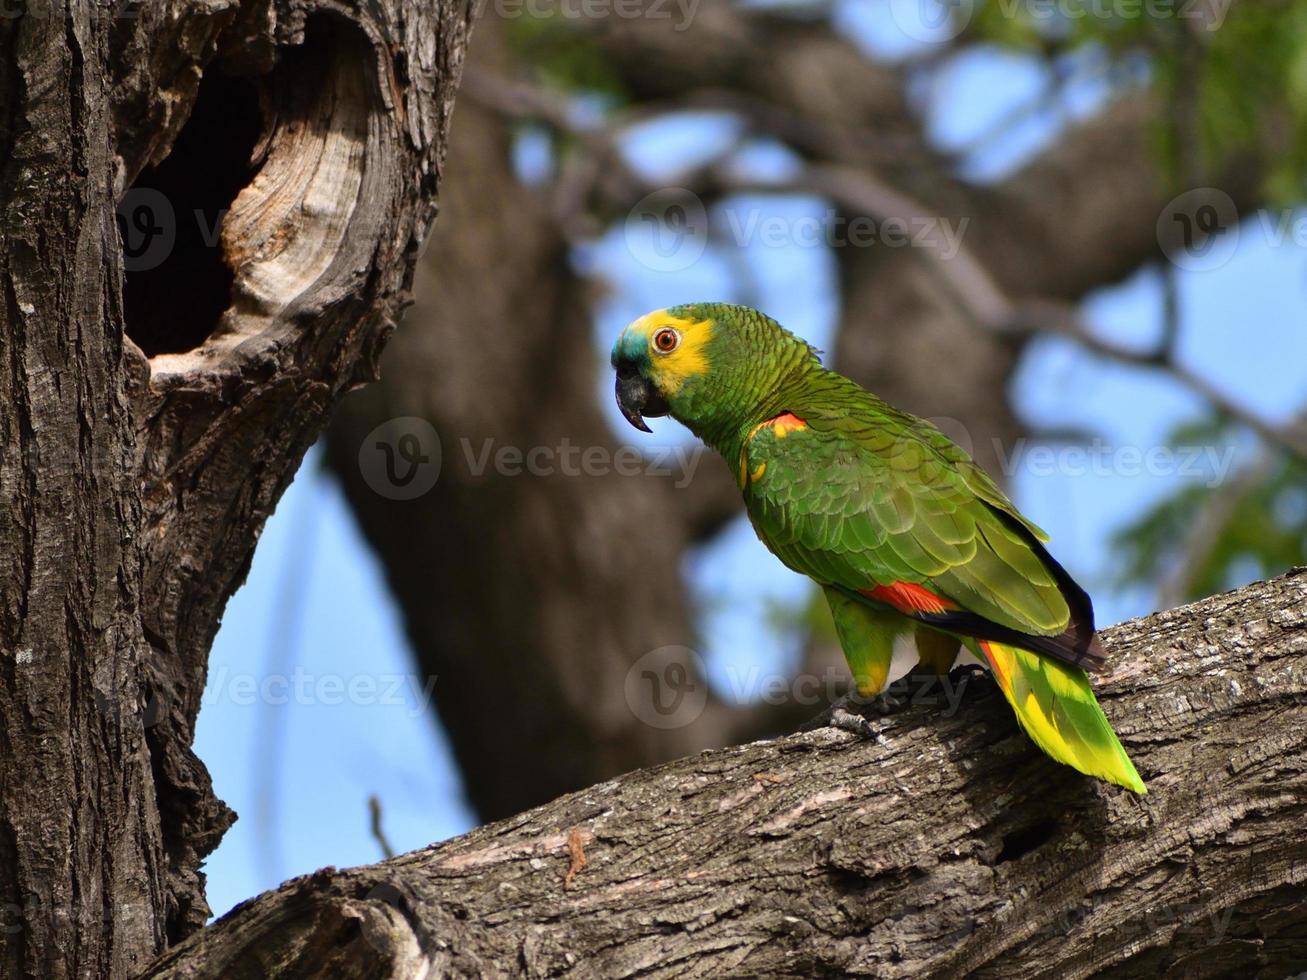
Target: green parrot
905	534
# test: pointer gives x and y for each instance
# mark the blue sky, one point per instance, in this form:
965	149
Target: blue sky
315	618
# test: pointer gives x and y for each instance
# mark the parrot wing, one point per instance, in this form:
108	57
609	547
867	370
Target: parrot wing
882	506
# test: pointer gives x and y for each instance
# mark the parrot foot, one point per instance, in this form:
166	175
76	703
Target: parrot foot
850	721
846	715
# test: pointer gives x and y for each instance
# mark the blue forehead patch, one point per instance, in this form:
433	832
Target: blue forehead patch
631	345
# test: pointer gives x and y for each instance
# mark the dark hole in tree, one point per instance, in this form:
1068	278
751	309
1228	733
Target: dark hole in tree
1019	843
177	284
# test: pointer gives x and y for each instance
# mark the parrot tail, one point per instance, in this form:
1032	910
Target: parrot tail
1056	706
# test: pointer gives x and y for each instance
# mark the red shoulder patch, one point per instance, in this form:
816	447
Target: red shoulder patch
785	423
909	598
781	426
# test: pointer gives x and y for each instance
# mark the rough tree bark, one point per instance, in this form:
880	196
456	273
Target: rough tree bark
951	847
156	397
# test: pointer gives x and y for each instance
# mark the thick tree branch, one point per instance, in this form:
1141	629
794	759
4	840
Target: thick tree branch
950	847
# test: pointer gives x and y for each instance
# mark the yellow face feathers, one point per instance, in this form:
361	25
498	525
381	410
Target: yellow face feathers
676	347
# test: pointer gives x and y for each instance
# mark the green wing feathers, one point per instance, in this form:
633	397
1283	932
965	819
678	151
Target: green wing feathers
863	499
1057	708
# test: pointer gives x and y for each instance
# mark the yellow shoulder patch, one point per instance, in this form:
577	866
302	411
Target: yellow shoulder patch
780	426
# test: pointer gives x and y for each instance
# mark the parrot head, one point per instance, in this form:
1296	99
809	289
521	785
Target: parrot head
701	361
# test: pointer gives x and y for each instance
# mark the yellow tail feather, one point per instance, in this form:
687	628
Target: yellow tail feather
1056	706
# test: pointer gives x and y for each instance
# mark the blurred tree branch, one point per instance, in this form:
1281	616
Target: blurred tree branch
1066	322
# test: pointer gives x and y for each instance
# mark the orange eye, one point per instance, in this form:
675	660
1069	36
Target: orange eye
665	340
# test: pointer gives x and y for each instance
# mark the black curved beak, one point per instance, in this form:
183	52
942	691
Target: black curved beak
637	398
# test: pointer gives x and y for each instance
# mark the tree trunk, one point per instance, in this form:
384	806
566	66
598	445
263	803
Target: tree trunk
950	847
271	168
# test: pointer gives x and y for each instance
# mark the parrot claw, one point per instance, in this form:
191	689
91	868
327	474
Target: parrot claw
850	721
846	715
